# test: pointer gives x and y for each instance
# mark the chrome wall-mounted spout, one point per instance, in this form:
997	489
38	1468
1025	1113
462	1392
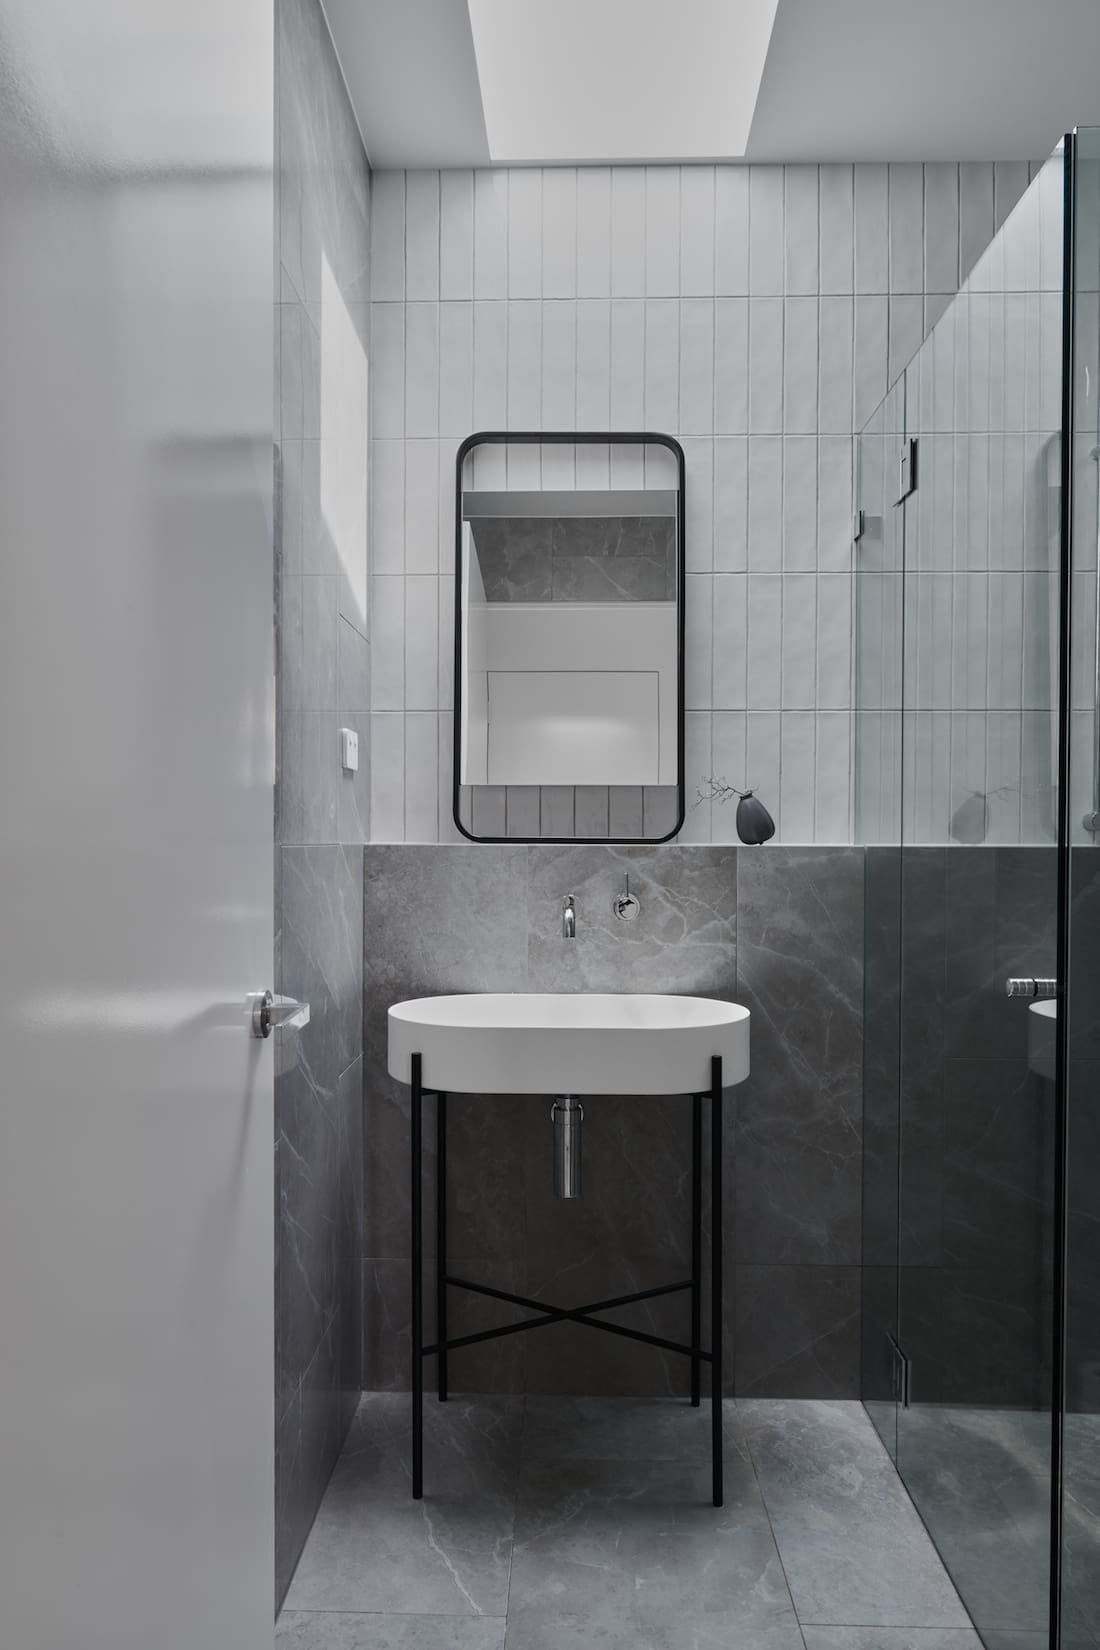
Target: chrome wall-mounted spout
568	918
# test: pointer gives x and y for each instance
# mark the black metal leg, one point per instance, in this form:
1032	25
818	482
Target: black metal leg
716	1274
441	1239
696	1243
417	1289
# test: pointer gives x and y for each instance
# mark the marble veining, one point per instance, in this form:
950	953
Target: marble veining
715	921
559	1523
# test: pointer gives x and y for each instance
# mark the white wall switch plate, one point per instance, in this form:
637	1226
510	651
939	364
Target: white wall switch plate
349	750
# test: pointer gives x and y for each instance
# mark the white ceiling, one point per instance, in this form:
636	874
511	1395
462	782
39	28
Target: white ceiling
543	81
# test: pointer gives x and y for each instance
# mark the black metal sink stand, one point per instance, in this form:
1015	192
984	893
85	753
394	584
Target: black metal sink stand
546	1314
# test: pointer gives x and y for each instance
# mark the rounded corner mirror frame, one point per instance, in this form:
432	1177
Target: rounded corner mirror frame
602	438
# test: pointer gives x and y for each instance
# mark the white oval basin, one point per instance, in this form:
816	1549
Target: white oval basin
1042	1037
568	1043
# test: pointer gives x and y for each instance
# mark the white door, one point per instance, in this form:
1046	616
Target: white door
136	732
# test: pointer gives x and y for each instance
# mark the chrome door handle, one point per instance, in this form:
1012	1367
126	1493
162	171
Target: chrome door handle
269	1010
1031	988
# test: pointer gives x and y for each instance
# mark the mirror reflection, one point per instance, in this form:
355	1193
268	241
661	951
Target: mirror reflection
568	638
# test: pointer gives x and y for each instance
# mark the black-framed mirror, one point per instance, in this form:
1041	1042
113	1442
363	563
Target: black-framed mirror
569	637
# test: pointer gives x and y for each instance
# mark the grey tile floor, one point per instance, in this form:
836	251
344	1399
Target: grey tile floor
557	1523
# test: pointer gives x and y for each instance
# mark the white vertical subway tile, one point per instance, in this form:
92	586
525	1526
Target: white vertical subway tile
662	363
872	240
627	465
870	362
796	791
387	506
594	232
556	810
731	489
906	189
448	830
525	233
559	365
456	233
491	234
837	271
834	641
590	808
698	768
559	465
765	640
906	330
729	734
1051	203
488	810
422	235
731	231
387	334
521	810
627	364
765	365
731	641
834	503
834	390
421	506
421	777
941	227
387	776
625	810
800	230
800	504
628	237
765	230
661	468
446	651
593	464
559	232
936	304
975	212
490	366
832	777
697	221
421	369
731	366
593	364
799	644
662	231
697	366
523	462
456	368
765	502
698	640
699	503
762	736
800	366
387	236
387	642
421	642
1010	180
524	366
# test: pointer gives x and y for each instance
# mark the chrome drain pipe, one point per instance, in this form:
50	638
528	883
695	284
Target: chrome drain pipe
567	1116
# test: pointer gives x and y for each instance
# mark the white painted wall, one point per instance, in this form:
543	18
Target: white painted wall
757	313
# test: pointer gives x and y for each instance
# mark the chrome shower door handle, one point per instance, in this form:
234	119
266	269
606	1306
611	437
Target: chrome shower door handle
269	1011
1031	988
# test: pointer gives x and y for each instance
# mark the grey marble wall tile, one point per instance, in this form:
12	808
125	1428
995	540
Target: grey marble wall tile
322	926
353	692
515	559
310	1147
795	1331
306	789
493	1366
684	940
998	1169
799	972
353	789
307	1442
437	919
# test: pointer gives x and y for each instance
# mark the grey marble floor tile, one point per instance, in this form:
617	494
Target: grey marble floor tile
891	1638
854	1550
337	1630
622	1429
578	1508
373	1548
654	1592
